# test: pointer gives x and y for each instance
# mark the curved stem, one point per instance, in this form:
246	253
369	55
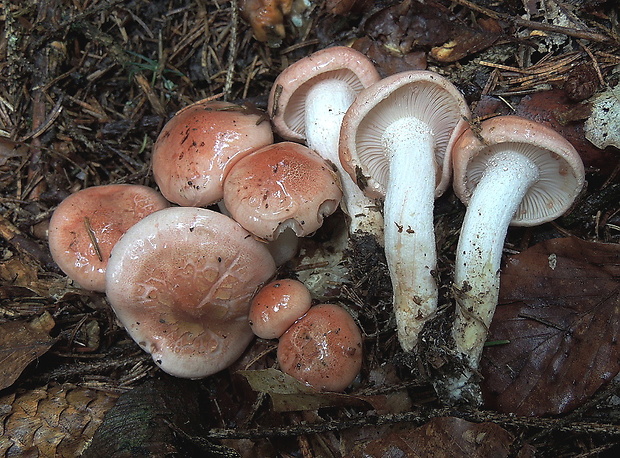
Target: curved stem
409	231
326	103
478	257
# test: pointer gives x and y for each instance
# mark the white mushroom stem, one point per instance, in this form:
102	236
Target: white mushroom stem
326	103
409	233
494	202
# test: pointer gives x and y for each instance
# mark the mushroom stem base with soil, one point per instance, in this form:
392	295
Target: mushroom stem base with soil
493	205
409	231
326	103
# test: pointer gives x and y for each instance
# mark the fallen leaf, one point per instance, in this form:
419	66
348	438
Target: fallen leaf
560	312
289	394
442	436
602	127
552	108
430	26
21	343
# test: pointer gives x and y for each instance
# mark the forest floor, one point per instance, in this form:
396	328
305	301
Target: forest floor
87	86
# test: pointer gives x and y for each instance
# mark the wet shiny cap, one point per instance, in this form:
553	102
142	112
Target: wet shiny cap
198	146
280	186
277	306
86	225
323	348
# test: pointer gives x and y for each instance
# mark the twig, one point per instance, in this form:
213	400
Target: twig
25	244
232	47
569	31
417	418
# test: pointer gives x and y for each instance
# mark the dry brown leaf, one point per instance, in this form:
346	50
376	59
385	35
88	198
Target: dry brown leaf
51	421
289	394
411	26
21	343
442	436
560	310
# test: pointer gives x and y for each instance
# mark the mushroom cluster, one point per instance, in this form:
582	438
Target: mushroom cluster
183	280
320	345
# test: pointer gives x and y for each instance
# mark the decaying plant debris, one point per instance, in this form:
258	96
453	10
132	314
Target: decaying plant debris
86	87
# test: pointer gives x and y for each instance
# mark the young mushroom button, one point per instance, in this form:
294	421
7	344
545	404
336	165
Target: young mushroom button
281	186
307	103
395	141
277	306
511	171
198	146
323	348
181	281
86	225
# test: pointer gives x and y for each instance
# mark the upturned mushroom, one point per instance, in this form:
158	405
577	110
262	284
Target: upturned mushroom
281	186
181	281
323	348
395	141
198	146
307	103
508	171
86	225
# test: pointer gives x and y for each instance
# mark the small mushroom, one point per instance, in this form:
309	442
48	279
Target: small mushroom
198	146
323	348
283	185
395	141
86	225
277	306
181	281
307	103
508	171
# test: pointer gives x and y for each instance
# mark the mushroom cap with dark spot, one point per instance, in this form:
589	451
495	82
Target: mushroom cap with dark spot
323	348
281	185
86	225
198	146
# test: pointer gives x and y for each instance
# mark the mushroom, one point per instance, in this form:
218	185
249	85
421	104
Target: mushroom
508	171
277	305
266	17
198	146
283	185
181	281
323	348
395	141
307	103
86	225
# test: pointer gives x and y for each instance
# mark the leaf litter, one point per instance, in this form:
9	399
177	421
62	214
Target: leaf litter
559	314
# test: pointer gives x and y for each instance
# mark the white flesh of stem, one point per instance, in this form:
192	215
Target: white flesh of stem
326	104
409	232
476	277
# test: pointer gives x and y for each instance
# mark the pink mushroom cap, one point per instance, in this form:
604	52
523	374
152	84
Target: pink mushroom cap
287	99
277	306
323	348
198	146
86	225
279	186
560	166
181	282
